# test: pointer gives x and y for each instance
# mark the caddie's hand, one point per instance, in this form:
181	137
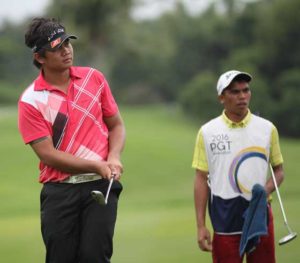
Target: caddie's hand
204	239
116	167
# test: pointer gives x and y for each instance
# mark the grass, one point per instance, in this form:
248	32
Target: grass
156	221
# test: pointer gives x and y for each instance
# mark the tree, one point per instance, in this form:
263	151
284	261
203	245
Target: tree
199	97
279	36
287	110
95	18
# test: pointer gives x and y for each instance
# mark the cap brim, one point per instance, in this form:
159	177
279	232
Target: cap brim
55	44
242	76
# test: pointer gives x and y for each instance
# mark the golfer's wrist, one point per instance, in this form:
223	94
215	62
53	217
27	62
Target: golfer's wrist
114	156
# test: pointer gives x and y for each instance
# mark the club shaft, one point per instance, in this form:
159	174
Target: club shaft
278	195
108	190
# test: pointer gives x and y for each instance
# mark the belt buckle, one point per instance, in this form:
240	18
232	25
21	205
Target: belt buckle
81	178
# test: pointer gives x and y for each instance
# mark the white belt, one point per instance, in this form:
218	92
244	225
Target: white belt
82	178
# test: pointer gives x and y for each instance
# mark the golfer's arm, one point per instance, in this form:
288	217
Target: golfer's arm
201	192
279	176
116	136
63	161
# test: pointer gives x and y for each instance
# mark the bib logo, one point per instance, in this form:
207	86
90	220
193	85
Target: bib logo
220	144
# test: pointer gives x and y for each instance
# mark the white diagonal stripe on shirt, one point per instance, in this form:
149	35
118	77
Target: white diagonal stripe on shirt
86	112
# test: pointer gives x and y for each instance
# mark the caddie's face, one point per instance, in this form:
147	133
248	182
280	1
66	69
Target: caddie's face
236	98
59	59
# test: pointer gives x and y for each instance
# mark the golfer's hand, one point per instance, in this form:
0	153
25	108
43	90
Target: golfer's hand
103	169
116	167
204	239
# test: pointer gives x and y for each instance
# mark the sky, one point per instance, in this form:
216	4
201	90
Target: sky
17	10
153	8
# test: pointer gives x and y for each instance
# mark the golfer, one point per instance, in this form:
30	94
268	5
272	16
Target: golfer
71	121
231	155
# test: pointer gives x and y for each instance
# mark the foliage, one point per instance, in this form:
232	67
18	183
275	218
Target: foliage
8	93
15	59
287	110
94	18
165	59
199	96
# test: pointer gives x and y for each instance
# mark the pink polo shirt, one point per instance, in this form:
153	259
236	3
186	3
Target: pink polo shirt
73	120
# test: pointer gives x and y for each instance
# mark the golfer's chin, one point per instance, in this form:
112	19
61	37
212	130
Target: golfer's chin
68	64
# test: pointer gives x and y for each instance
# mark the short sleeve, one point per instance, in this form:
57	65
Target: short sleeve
200	158
32	125
275	152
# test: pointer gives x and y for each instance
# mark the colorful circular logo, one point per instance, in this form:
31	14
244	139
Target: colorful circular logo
243	185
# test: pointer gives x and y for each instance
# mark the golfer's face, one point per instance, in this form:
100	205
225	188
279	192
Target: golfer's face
236	98
62	58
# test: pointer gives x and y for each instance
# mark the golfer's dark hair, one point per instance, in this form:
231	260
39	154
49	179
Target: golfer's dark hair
38	32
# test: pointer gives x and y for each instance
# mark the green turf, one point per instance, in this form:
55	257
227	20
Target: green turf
156	222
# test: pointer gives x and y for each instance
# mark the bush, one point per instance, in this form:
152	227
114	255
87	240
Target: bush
199	97
9	94
287	110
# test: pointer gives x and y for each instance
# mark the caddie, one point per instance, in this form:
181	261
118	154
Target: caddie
232	154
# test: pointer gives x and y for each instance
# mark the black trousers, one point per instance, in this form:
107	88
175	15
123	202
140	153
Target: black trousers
75	228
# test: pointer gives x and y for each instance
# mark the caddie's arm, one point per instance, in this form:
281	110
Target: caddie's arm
66	162
116	138
279	176
201	192
276	162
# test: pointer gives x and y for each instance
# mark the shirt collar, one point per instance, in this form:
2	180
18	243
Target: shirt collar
42	84
231	124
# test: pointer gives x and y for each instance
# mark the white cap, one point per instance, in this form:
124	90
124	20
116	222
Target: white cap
227	77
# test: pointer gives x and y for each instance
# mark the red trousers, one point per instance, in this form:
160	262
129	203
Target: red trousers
226	247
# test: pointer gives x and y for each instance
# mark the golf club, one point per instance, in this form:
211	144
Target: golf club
98	195
292	235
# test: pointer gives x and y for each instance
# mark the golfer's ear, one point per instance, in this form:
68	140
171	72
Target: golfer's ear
38	58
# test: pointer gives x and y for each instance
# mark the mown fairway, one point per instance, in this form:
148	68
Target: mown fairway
156	222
